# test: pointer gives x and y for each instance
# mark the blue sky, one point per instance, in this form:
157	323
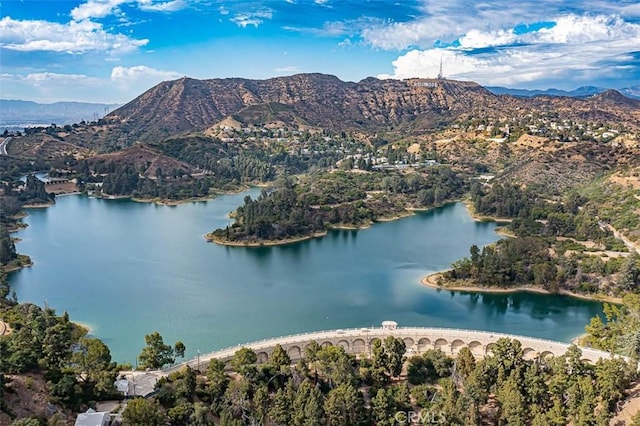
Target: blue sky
113	50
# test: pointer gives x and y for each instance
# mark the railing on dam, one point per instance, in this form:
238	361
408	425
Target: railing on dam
368	334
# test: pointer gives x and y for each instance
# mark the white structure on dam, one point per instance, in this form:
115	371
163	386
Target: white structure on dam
359	342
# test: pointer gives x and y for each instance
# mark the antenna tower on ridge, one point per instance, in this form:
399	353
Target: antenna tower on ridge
440	75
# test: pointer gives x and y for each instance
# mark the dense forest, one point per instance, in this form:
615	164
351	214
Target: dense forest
126	181
77	370
341	198
557	245
330	387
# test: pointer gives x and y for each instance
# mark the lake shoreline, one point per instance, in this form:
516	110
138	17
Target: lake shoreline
410	211
483	218
433	281
267	243
338	282
23	261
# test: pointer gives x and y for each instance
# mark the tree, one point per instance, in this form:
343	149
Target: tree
394	348
388	358
243	361
513	408
237	398
383	407
280	358
7	247
582	402
179	349
431	365
181	413
307	408
92	362
142	412
281	408
311	351
64	389
57	341
344	405
612	377
217	380
336	366
156	354
465	362
185	385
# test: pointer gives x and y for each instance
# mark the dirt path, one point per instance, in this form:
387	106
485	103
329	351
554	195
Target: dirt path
617	234
4	328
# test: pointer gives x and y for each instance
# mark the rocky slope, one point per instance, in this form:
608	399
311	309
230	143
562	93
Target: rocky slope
371	105
392	108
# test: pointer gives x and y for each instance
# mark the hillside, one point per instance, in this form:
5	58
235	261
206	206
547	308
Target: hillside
143	159
324	101
320	100
391	109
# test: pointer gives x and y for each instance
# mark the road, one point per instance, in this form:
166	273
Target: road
3	146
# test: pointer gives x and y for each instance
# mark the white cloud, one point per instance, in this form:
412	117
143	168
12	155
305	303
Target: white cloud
477	39
73	37
141	72
50	77
162	6
575	49
289	69
251	18
447	21
584	29
95	9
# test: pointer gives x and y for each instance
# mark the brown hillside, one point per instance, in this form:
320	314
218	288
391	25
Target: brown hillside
371	106
186	104
144	159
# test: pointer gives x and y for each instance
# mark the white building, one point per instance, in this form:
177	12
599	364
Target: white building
92	418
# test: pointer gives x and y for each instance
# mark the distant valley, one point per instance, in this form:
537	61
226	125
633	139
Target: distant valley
18	113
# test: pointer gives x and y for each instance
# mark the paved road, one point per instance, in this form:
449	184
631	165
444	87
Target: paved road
3	146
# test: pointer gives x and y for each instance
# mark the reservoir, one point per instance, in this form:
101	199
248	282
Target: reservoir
126	269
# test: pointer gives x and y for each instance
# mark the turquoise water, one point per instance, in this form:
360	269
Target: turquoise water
127	269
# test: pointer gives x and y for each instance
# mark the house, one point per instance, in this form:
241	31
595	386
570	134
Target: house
122	385
92	418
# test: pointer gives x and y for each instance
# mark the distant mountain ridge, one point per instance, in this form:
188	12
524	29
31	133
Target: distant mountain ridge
324	101
371	105
18	112
392	109
580	92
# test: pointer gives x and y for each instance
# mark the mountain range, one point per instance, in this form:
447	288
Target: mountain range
580	92
393	109
20	113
